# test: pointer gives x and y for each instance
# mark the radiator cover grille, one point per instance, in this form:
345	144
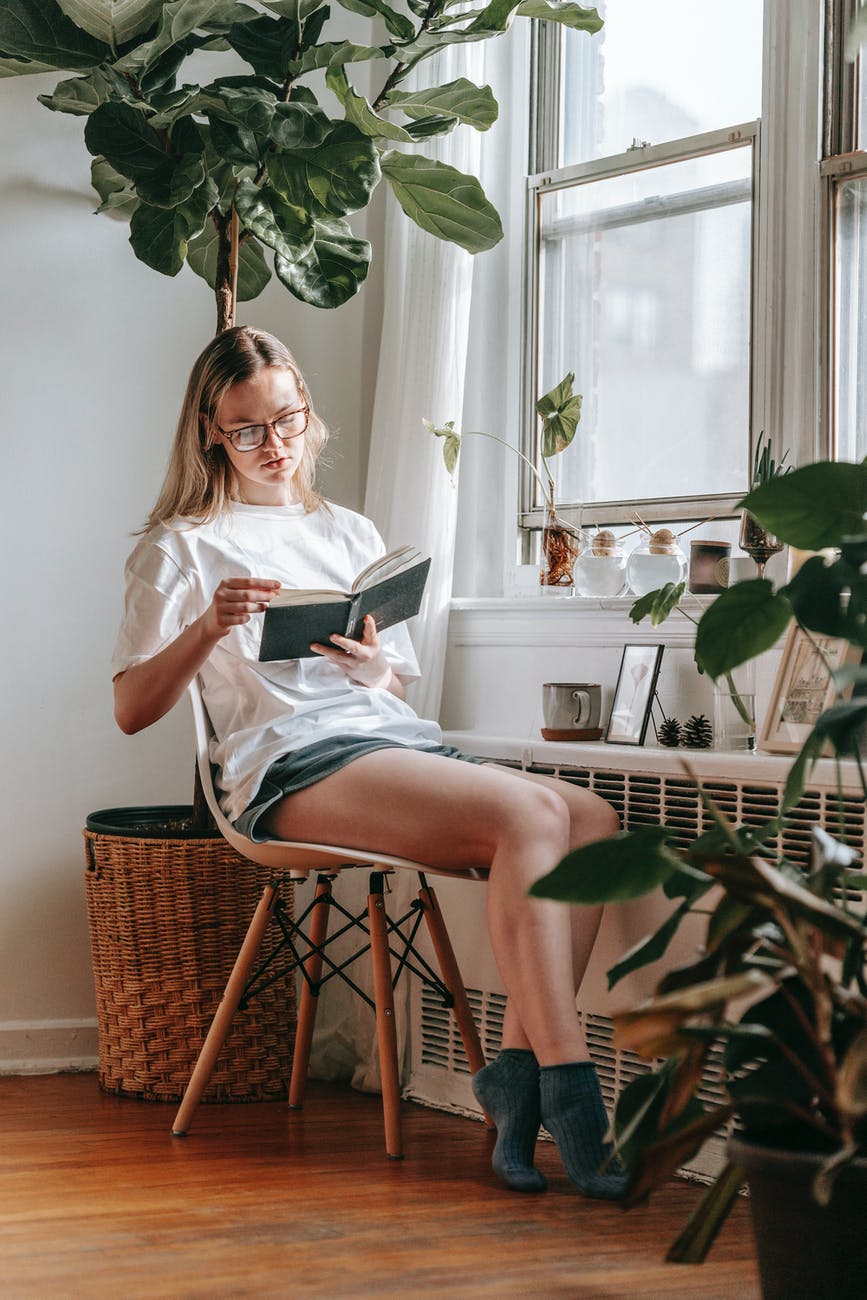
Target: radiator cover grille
640	798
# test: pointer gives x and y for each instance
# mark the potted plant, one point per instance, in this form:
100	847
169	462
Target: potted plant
264	163
253	164
759	542
779	984
559	411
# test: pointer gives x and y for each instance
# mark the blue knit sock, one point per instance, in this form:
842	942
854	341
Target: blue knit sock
573	1112
508	1089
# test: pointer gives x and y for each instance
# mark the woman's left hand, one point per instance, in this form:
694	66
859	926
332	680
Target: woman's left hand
363	661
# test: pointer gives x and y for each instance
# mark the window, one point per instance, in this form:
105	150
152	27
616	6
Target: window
641	224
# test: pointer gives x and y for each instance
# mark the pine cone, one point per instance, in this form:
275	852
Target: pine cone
698	733
670	733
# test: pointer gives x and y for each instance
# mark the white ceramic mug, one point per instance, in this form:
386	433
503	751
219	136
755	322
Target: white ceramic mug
571	706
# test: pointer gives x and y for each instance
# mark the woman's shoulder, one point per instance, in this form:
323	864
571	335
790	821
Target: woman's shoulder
348	521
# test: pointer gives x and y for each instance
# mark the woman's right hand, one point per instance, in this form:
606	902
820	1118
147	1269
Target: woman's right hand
235	600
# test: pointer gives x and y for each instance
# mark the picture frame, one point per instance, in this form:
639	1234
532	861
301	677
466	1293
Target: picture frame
634	694
803	688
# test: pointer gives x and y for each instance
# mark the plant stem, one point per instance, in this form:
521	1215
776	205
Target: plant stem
547	492
743	711
225	288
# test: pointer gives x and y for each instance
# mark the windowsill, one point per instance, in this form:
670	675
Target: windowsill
703	763
559	620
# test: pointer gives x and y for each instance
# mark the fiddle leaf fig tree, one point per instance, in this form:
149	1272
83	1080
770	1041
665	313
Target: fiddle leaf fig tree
253	167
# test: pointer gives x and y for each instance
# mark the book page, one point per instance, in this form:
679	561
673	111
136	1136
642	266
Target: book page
293	596
385	566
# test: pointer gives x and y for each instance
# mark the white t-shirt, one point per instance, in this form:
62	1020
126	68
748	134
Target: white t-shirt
261	711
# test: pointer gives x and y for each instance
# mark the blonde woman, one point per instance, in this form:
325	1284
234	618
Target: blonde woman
327	749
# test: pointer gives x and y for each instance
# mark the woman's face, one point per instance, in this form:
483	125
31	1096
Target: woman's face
265	474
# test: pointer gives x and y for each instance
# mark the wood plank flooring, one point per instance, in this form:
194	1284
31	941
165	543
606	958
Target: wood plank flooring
98	1200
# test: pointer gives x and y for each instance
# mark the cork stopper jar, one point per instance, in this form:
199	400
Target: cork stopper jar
656	561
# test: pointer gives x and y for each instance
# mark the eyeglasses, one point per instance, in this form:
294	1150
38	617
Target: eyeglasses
291	425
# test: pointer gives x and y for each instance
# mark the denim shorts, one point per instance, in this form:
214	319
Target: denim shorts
303	767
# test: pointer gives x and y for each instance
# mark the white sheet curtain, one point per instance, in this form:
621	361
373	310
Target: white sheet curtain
422	374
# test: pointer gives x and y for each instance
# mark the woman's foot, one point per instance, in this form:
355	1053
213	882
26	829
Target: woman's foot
508	1089
573	1112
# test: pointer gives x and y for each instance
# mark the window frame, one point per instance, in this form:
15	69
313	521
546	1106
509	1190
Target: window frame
797	156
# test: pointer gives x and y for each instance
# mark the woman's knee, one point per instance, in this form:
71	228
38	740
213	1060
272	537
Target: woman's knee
536	812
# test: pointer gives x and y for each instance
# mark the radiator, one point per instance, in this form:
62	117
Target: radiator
746	788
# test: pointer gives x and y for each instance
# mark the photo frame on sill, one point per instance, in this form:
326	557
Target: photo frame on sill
803	688
633	694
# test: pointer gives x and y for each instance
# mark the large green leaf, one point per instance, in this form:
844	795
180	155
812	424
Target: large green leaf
253	270
470	104
831	598
123	135
813	507
234	144
562	11
331	271
179	18
336	178
23	67
443	201
40	31
560	410
359	112
658	604
119	199
299	125
280	225
627	865
113	21
743	621
331	54
81	95
267	44
160	236
298	10
398	24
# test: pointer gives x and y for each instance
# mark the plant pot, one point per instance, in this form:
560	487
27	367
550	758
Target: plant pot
168	906
803	1248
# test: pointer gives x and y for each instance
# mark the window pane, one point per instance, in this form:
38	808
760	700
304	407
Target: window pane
645	294
658	73
851	332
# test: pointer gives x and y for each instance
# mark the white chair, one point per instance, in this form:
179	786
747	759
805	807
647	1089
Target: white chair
309	949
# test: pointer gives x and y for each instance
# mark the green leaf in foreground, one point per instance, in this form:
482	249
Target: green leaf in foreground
331	271
743	621
253	270
443	201
658	604
627	865
815	506
42	32
462	99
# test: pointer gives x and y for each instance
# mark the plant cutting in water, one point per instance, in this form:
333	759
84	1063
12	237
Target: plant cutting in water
559	411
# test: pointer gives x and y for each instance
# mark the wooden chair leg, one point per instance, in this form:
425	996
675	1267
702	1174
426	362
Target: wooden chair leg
308	1003
222	1021
453	981
386	1031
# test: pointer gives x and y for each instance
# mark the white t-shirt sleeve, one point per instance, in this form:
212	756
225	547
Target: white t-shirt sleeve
156	606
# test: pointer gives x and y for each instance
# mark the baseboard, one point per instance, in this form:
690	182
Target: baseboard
48	1046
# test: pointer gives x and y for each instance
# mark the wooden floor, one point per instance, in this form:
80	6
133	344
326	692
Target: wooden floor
97	1199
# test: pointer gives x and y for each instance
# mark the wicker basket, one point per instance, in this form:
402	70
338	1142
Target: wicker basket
168	907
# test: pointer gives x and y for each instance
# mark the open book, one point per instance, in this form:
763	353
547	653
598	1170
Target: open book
390	589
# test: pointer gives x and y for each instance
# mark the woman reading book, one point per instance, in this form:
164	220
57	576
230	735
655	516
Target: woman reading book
325	748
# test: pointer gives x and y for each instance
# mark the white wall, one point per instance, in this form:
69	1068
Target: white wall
95	348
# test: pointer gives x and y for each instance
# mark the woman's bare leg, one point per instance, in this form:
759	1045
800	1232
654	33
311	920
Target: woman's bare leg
449	814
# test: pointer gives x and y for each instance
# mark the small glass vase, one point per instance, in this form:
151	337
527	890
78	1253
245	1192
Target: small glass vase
758	543
655	562
734	710
600	569
560	546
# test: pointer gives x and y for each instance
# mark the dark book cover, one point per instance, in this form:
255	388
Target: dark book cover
289	630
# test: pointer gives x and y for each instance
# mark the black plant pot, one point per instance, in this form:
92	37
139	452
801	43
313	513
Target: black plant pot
805	1249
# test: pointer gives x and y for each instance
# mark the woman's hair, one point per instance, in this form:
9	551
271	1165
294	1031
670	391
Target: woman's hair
201	481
